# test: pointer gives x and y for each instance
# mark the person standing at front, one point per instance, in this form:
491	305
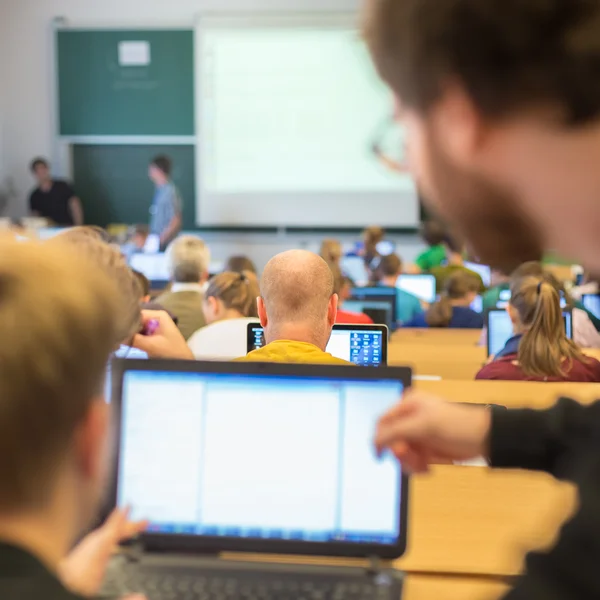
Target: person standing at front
165	219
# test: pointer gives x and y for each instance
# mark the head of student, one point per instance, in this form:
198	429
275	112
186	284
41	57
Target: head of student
372	236
189	260
433	232
40	169
342	285
460	290
536	313
231	296
331	251
239	264
503	127
160	169
389	269
92	243
53	431
144	285
297	300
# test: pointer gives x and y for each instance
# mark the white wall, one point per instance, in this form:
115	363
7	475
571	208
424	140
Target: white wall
25	48
26	73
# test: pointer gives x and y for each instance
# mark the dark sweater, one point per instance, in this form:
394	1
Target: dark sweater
462	318
564	442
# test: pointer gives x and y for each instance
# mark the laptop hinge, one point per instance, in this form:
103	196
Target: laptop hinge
374	567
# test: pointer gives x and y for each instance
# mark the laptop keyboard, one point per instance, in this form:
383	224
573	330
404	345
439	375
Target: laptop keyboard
195	584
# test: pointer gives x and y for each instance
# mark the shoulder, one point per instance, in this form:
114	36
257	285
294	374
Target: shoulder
501	368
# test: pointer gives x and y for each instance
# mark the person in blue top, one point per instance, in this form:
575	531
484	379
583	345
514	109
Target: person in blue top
453	308
165	220
407	306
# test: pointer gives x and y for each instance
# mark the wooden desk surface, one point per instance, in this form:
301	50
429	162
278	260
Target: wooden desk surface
427	587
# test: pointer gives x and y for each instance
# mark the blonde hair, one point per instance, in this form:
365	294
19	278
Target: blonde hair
331	251
371	237
544	345
89	242
237	291
189	259
58	330
457	286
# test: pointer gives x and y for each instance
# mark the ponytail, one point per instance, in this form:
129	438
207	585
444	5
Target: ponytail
237	291
544	346
440	313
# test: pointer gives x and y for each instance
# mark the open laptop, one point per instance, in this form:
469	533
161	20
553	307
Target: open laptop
375	302
500	329
421	286
257	458
154	266
592	303
484	271
363	345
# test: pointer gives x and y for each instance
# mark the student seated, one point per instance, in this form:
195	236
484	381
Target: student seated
453	308
499	285
408	307
144	284
539	349
455	264
240	264
229	305
434	234
54	430
331	252
189	261
342	286
297	309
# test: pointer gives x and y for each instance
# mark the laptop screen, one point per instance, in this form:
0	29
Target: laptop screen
154	266
365	345
259	456
421	286
592	303
484	271
500	329
376	296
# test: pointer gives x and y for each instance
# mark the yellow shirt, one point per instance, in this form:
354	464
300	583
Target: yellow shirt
288	351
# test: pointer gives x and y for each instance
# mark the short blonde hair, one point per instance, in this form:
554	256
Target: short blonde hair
90	242
58	330
189	259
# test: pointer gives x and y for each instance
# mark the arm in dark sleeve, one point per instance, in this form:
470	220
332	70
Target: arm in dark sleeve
549	440
33	203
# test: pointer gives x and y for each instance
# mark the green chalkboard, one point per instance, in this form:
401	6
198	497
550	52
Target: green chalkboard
113	183
100	96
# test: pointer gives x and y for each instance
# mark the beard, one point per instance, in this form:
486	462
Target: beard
484	214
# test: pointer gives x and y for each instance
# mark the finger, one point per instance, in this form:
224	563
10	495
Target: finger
133	528
404	429
115	523
398	411
143	343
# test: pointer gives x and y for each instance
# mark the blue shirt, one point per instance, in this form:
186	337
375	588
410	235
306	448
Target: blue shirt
165	206
462	318
511	347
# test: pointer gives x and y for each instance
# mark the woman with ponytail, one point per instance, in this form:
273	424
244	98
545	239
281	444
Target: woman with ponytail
453	308
539	349
229	305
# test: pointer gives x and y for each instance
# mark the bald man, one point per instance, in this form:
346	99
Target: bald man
297	309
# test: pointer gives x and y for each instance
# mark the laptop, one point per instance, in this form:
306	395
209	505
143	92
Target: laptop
500	329
382	299
421	286
484	271
154	266
592	303
354	268
363	345
256	458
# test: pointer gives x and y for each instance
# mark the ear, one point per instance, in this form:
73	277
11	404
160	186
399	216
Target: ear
91	441
262	312
460	127
332	310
